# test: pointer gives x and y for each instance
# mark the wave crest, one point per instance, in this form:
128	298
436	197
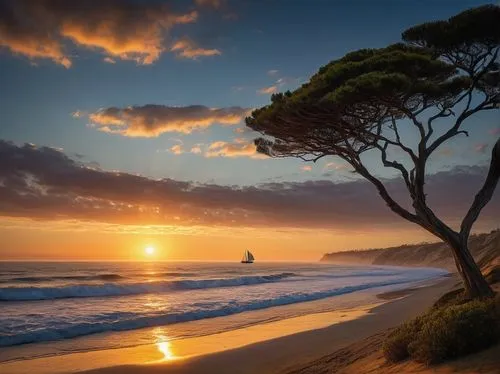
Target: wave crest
112	289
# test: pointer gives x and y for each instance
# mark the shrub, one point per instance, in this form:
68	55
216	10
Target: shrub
395	347
455	331
447	332
454	297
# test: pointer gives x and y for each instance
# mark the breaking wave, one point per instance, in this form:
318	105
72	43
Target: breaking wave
119	289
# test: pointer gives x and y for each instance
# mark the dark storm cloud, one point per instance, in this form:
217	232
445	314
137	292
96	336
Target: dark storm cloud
43	183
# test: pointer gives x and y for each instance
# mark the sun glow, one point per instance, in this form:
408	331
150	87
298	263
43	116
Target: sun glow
149	250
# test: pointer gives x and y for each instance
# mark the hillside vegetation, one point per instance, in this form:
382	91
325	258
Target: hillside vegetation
484	247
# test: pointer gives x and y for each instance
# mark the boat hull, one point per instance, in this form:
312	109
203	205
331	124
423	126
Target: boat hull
247	262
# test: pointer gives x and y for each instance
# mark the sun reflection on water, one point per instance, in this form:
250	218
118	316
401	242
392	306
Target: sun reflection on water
163	345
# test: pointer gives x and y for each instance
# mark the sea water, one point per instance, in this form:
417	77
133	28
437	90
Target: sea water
42	302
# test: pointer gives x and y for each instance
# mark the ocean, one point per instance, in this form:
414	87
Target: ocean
50	302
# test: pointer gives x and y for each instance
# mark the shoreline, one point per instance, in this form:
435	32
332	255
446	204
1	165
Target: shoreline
262	341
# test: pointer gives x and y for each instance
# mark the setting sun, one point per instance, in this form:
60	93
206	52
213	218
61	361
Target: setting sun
149	250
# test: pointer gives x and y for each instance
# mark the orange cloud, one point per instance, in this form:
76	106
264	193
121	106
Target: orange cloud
336	166
196	149
188	49
153	120
268	90
177	149
239	148
142	43
120	30
33	48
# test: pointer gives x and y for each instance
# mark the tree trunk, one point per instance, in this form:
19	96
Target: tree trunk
475	284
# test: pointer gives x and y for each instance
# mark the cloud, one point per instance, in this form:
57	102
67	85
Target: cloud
481	148
446	152
241	130
306	168
186	48
124	30
272	72
43	183
153	120
239	148
109	60
196	149
285	81
336	166
176	149
268	90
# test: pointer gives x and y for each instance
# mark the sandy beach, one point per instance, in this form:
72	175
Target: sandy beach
278	346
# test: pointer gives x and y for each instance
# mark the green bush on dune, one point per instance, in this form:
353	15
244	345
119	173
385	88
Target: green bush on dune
445	333
396	345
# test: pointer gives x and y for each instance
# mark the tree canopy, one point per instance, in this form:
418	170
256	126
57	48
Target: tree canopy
350	100
348	103
441	71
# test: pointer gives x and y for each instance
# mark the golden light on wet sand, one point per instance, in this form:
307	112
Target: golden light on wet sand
164	347
163	344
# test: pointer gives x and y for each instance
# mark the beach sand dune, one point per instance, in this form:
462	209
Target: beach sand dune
366	357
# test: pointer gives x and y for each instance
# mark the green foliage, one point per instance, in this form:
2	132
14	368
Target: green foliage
474	26
454	297
364	82
348	97
395	70
446	332
395	347
455	331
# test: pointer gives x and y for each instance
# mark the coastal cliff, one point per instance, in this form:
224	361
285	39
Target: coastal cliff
484	247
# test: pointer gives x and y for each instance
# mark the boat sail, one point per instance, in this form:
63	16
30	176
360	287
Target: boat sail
247	257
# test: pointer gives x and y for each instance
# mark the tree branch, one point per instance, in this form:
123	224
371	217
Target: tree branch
453	131
391	203
443	113
394	164
485	193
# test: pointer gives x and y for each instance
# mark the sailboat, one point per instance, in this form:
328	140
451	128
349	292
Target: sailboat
247	257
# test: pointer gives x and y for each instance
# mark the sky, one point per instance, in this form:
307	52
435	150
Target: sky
122	127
